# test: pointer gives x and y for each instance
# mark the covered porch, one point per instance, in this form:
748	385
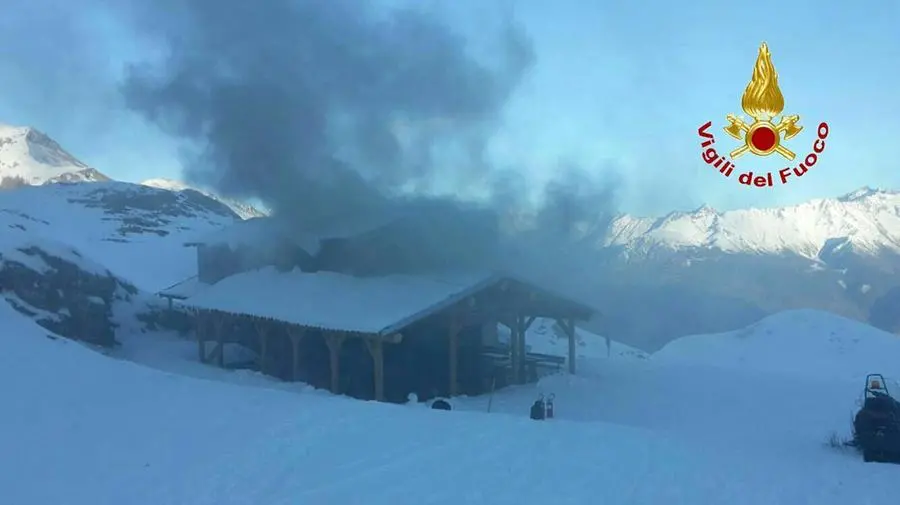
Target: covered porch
428	334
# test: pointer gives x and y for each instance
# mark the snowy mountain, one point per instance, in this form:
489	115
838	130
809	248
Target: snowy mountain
135	231
245	211
29	156
867	220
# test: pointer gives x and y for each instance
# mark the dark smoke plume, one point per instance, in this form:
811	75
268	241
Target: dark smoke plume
333	110
320	108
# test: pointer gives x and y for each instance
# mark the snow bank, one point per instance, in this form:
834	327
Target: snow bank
798	342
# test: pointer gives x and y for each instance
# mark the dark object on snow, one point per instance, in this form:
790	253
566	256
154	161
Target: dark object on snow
441	404
538	409
549	406
876	428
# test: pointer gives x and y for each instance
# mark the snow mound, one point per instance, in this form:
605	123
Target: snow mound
797	342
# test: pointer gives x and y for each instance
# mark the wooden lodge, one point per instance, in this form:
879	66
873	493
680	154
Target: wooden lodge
361	329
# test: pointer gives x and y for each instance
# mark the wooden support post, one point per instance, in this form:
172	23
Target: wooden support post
263	334
376	349
568	325
517	350
523	348
334	342
453	355
200	330
218	323
296	335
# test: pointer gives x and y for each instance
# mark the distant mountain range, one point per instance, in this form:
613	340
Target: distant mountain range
866	221
706	271
654	278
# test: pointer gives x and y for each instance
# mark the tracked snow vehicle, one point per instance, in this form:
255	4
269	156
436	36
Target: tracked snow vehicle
876	427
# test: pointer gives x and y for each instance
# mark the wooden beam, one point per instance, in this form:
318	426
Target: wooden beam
529	322
296	335
517	351
568	326
334	341
219	351
376	349
262	332
200	330
523	349
453	355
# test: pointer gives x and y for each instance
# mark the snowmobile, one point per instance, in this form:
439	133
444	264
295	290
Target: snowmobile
876	427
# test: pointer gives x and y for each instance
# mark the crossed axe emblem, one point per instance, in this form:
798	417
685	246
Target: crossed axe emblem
762	137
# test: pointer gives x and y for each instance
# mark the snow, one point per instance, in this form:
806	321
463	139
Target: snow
870	219
33	156
638	432
805	342
377	305
244	210
73	217
184	289
13	248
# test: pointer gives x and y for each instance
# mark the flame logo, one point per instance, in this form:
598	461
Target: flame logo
762	99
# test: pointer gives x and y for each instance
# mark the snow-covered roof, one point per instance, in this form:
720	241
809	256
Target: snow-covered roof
332	301
184	289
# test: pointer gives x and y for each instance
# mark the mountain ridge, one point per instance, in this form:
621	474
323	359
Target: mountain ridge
868	218
30	157
244	210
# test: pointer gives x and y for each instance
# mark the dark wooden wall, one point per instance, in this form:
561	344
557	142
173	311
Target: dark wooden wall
217	261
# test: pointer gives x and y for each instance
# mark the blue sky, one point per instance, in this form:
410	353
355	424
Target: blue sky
618	88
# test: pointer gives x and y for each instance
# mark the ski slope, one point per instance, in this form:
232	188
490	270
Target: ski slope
84	428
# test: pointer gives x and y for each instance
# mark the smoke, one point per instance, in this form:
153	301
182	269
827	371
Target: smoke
340	110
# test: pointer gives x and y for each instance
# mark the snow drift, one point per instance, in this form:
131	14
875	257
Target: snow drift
798	342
